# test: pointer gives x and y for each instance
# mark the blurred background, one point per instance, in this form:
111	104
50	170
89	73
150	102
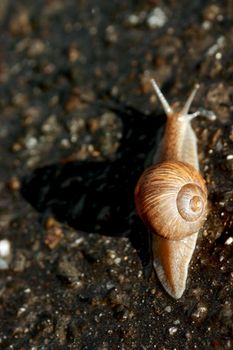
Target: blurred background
79	123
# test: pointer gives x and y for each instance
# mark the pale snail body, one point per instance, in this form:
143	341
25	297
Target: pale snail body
171	198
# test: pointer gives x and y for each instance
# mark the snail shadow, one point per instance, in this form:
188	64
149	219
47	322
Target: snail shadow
96	196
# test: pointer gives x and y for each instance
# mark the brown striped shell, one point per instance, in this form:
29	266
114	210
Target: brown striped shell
171	199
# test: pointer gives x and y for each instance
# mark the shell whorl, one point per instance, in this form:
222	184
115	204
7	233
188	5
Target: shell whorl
171	199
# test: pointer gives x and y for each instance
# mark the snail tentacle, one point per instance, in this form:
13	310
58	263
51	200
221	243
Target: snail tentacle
168	110
189	101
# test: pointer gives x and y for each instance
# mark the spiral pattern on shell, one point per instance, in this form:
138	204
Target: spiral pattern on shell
171	199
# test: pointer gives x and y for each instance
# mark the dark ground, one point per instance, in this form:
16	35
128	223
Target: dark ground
79	123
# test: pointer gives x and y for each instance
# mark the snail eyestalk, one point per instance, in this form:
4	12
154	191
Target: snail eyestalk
189	101
167	109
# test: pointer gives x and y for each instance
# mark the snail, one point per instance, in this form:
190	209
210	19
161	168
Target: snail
171	197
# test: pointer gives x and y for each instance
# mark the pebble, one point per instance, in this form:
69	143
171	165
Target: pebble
5	248
229	241
111	35
229	157
54	233
53	237
218	45
133	19
157	18
168	308
211	12
3	264
5	252
20	261
173	330
20	23
14	184
73	54
36	48
77	242
68	272
200	312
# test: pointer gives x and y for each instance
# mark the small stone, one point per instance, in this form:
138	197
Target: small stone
229	157
14	184
111	34
120	312
27	291
77	242
168	308
110	285
133	19
176	322
30	115
51	222
5	248
20	261
117	261
5	254
211	12
229	241
20	23
68	273
93	125
36	48
200	313
31	142
53	237
3	264
73	54
173	330
16	147
20	100
73	103
157	18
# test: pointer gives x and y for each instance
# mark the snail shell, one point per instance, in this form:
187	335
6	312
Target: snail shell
171	199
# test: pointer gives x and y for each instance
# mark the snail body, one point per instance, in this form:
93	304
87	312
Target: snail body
171	198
